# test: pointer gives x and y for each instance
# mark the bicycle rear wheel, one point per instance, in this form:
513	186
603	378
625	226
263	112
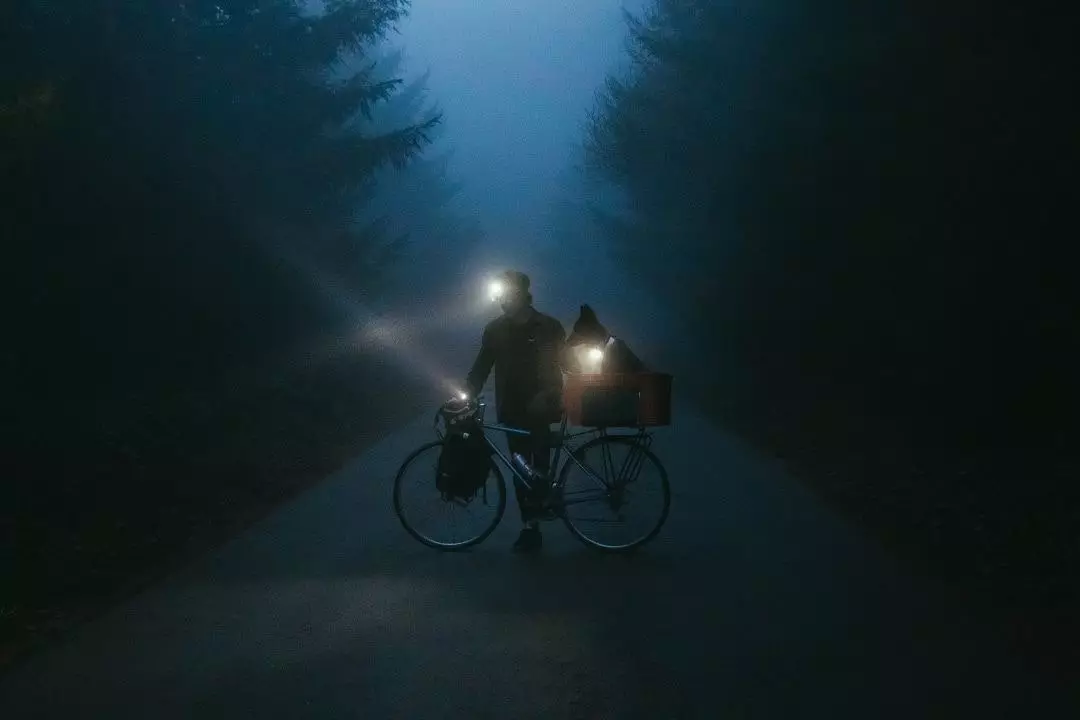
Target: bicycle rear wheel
621	477
440	522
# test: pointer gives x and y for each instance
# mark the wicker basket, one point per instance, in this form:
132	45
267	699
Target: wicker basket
618	399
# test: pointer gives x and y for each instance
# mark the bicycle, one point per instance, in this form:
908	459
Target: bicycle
610	491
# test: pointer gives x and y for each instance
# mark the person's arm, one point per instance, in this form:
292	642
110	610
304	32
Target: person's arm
481	367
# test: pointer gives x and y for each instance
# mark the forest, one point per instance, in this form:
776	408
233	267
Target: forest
191	189
864	215
860	214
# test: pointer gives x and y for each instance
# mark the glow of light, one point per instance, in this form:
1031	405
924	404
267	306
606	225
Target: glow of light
495	290
596	354
394	334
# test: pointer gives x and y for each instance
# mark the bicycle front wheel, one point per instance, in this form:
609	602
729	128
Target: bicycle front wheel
438	521
618	498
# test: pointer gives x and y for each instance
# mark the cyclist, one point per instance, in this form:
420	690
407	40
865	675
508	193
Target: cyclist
528	352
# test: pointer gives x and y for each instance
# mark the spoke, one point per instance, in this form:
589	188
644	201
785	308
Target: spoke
635	515
592	494
453	522
597	478
631	465
430	512
609	462
600	482
600	521
423	477
639	462
433	517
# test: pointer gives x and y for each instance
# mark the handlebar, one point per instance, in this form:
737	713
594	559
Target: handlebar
459	403
458	409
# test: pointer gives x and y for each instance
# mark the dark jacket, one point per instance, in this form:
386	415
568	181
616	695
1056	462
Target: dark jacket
529	359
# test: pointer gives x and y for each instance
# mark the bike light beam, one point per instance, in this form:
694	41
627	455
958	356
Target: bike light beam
392	335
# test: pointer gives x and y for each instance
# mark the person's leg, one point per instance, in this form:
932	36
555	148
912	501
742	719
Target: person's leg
530	539
522	444
540	447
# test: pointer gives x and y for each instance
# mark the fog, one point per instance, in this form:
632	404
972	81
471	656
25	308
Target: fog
248	238
516	81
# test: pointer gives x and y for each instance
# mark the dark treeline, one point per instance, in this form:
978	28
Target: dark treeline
190	189
869	210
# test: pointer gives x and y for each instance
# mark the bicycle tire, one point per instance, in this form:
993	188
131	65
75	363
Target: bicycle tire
665	486
500	511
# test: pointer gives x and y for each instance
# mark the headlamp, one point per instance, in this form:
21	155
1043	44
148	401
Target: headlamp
591	359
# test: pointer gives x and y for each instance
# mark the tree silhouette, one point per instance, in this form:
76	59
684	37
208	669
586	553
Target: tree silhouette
170	135
184	217
864	215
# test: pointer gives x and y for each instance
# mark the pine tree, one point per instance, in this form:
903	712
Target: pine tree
169	160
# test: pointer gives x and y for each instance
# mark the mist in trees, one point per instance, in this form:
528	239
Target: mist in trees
842	228
861	212
142	187
197	196
846	191
431	238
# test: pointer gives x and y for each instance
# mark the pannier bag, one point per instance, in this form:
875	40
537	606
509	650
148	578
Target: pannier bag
463	465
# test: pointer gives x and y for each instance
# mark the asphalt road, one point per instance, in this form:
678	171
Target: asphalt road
755	602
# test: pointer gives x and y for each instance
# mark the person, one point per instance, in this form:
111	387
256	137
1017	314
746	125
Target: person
527	350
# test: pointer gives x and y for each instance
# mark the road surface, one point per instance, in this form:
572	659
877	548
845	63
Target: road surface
755	602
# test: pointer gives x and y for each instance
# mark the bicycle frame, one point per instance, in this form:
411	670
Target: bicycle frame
550	478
